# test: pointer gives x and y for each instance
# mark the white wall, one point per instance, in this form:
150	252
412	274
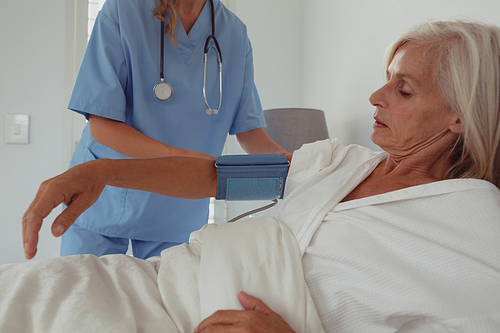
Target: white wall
36	53
275	28
31	83
344	43
324	54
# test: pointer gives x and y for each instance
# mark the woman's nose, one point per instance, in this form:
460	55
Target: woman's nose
377	98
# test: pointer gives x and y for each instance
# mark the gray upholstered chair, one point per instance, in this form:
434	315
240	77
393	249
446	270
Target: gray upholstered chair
292	127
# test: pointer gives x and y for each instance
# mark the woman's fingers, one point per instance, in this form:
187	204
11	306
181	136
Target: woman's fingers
253	303
45	201
78	188
220	321
257	317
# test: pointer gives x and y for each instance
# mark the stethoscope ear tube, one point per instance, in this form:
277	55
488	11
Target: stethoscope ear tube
211	111
207	48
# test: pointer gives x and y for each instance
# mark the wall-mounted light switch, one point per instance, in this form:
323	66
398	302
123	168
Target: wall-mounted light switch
17	128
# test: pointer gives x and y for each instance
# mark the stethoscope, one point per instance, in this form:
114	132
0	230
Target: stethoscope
163	91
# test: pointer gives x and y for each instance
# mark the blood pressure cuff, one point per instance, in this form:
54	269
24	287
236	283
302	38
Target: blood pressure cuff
251	177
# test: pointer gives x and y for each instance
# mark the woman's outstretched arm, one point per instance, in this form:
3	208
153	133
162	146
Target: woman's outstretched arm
79	187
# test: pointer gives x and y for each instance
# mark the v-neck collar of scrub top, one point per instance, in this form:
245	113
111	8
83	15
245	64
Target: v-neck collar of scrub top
201	29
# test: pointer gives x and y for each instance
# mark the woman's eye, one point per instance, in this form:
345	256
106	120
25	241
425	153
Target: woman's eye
404	94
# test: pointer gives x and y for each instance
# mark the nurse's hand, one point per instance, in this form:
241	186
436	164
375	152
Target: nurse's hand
257	317
78	188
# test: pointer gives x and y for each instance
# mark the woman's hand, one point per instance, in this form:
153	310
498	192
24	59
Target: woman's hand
257	317
78	188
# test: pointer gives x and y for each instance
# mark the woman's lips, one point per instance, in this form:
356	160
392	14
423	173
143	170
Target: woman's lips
379	124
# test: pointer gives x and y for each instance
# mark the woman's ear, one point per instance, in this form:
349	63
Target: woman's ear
456	125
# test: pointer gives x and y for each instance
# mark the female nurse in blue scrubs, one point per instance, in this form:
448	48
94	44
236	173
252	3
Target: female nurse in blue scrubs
126	118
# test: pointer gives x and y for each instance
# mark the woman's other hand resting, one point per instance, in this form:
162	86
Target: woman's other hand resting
257	317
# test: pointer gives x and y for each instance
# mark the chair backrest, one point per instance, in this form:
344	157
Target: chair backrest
292	127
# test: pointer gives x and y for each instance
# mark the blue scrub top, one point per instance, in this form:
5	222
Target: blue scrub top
116	79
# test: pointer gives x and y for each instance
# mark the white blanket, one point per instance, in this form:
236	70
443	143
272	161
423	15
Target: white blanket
171	293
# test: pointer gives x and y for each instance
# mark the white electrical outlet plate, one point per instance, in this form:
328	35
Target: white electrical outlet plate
17	128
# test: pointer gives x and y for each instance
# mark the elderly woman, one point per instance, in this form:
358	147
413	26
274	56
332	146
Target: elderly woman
403	240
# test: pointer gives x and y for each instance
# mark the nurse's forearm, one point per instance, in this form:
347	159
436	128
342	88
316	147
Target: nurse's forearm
258	142
130	142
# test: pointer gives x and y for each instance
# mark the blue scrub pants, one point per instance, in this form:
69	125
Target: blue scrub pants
77	240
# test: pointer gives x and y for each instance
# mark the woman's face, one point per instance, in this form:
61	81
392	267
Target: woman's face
410	115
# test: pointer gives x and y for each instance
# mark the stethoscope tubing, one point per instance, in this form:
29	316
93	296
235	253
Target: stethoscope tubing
163	91
162	50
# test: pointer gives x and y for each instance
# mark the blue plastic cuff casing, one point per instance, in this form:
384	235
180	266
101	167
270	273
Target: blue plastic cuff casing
251	177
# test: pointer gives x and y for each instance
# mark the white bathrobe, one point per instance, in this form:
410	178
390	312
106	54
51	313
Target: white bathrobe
421	259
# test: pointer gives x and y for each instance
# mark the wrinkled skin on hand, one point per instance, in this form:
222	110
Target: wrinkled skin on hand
76	195
257	318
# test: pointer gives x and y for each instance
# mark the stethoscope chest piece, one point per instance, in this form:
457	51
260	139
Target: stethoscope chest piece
163	91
